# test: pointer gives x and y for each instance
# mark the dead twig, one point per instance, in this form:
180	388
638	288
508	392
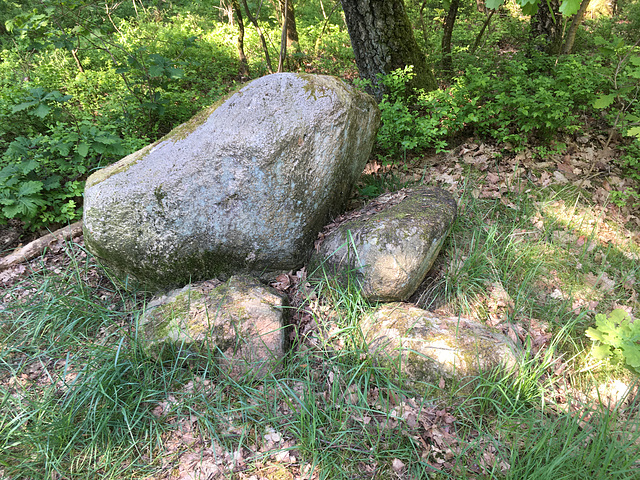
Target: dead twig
35	248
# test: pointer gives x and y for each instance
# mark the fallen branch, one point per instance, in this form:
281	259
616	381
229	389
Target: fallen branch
35	248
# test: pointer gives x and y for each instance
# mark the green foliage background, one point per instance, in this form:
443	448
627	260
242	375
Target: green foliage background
84	83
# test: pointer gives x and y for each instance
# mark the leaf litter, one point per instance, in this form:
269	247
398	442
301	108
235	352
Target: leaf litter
188	452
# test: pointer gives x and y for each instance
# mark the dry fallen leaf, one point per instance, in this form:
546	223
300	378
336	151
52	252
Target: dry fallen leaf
397	465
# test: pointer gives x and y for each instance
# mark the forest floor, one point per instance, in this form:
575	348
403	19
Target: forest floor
525	198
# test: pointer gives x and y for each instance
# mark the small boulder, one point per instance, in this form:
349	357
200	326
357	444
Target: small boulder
244	186
428	346
241	321
390	244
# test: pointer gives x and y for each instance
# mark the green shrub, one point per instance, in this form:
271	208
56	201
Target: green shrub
617	337
518	101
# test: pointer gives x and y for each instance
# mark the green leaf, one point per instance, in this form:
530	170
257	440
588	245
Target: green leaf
601	352
603	101
173	72
42	110
569	7
635	61
29	188
631	354
494	4
633	132
83	149
23	106
594	334
156	70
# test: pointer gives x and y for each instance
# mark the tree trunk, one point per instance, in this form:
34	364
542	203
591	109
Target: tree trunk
449	22
286	7
244	64
289	27
383	41
573	28
265	49
548	24
476	43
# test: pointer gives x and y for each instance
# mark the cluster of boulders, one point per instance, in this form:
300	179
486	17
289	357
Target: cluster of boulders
241	193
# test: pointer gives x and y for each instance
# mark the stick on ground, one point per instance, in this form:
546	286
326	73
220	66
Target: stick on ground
35	248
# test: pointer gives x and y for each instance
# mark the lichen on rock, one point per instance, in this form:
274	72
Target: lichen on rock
429	347
244	186
389	248
240	322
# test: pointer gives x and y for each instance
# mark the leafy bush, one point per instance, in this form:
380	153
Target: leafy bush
42	179
518	101
617	338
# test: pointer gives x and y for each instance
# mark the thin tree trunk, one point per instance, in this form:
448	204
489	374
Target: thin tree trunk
253	20
481	33
573	28
283	38
244	64
449	22
288	12
383	41
289	18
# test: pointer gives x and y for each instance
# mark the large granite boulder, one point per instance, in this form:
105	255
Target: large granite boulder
244	186
390	244
429	347
240	322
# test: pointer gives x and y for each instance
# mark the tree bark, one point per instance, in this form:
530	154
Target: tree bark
244	64
548	23
476	43
288	12
383	41
265	49
290	30
449	22
573	28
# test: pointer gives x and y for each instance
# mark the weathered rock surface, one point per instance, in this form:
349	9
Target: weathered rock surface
241	320
390	244
429	347
244	186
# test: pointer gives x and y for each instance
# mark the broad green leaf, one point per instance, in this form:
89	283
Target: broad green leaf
594	334
494	4
603	101
23	106
635	61
633	132
529	8
601	352
83	149
29	188
569	7
28	166
619	317
42	110
173	72
631	354
52	182
11	211
156	70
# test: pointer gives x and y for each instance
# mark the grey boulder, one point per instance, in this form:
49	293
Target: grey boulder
244	186
429	347
240	323
390	244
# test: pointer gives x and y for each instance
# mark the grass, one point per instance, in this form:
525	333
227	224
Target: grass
80	400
